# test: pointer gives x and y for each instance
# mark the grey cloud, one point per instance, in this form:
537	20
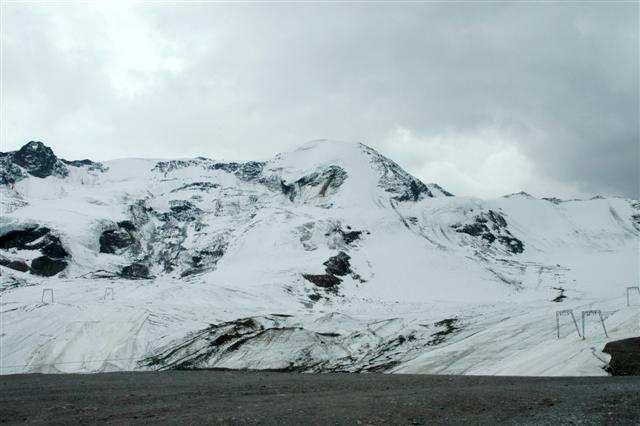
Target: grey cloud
558	82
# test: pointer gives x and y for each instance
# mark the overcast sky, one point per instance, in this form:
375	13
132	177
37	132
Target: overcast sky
484	98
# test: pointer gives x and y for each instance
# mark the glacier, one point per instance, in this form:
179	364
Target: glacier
330	257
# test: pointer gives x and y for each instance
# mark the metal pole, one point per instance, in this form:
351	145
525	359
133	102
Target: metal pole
602	321
558	324
108	293
583	332
629	294
45	291
575	323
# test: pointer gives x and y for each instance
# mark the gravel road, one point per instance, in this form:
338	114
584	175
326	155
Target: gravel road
198	397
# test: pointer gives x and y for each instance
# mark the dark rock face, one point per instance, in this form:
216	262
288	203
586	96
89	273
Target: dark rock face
205	259
9	172
396	181
178	206
491	226
635	217
331	177
338	265
21	238
323	280
554	200
514	245
127	225
243	171
36	238
53	248
39	160
212	346
414	190
447	326
250	170
561	296
181	210
91	165
350	236
225	337
17	265
475	230
111	241
135	271
625	357
197	186
46	266
441	189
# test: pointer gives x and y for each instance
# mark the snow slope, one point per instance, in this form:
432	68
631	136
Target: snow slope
326	258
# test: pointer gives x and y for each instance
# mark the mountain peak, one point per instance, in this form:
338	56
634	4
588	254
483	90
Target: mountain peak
35	146
368	172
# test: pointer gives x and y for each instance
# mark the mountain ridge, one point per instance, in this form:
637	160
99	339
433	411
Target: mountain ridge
329	257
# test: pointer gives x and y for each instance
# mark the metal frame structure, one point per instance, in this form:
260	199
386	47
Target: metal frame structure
108	293
46	291
636	288
589	313
566	312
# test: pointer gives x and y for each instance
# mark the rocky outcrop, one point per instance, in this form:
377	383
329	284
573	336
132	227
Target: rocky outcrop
251	343
625	357
182	211
398	182
338	265
244	171
113	241
327	179
347	236
323	280
46	266
22	239
35	238
350	236
10	173
38	160
135	271
16	265
90	165
491	226
197	186
635	217
206	259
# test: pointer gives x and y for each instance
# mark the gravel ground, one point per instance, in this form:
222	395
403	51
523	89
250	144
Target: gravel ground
234	397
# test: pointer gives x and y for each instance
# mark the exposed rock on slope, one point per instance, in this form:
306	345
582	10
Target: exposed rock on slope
135	271
238	343
625	357
38	160
31	239
400	183
46	266
338	264
491	226
114	240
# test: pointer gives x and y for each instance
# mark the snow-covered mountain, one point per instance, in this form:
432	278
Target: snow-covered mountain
326	258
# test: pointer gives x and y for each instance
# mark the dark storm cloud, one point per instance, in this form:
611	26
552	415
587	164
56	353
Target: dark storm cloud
484	98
